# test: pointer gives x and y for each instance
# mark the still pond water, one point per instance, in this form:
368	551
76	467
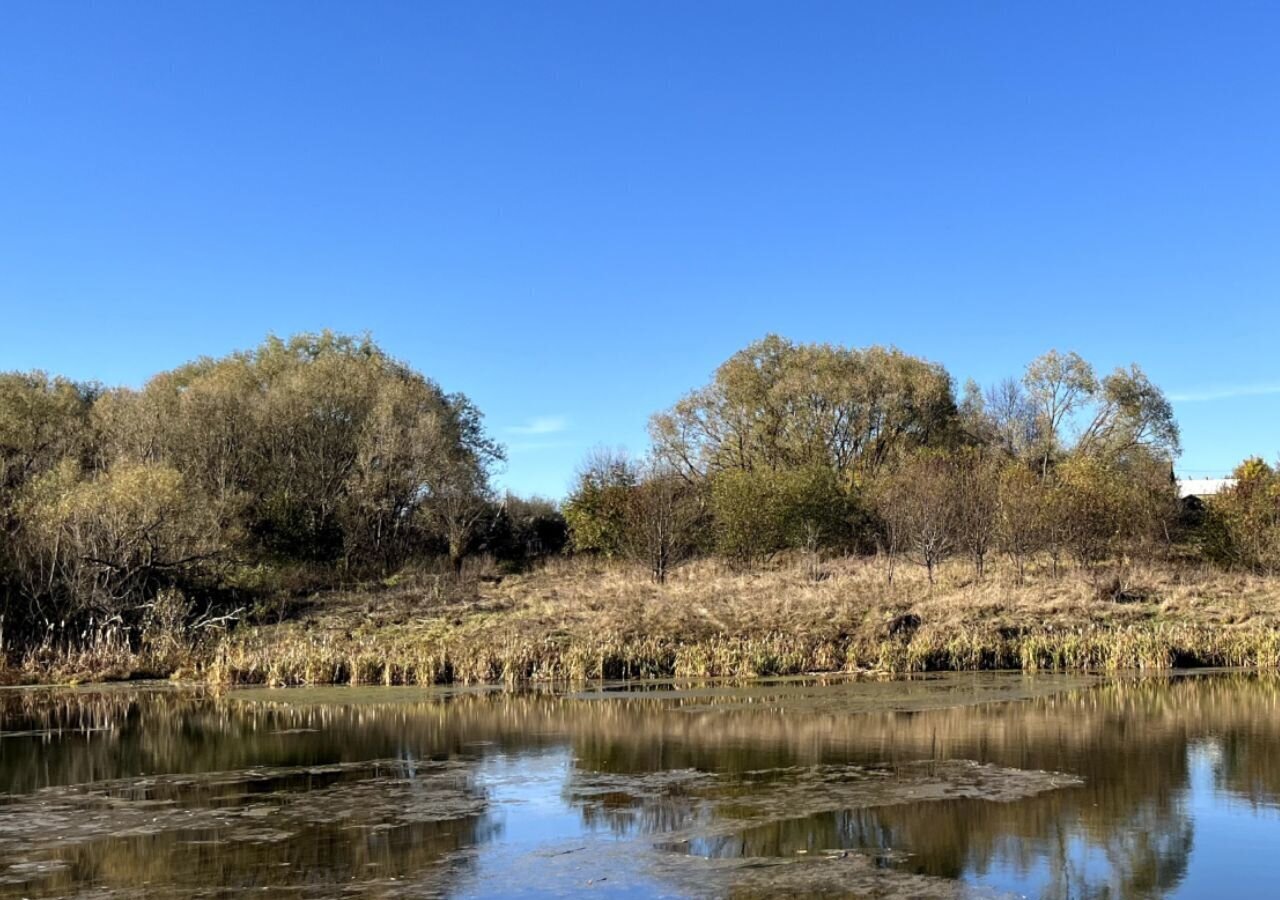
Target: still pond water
975	785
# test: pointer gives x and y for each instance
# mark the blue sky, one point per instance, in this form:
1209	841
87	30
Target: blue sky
574	212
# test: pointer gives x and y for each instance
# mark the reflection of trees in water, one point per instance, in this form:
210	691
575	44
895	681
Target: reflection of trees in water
368	826
77	737
310	862
1246	764
621	814
1146	851
1145	840
1128	739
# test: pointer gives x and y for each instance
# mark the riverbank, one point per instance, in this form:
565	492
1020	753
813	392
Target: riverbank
581	620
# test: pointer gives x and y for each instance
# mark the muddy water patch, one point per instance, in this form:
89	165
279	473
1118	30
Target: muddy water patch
688	808
343	812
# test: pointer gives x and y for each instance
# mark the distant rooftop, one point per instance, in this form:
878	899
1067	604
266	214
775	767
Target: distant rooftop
1203	487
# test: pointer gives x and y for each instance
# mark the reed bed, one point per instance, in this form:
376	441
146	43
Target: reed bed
1135	647
586	621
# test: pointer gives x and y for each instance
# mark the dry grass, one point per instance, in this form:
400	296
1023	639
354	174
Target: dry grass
105	654
582	620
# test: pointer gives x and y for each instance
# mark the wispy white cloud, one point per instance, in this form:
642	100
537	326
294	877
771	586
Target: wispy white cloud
541	425
534	446
1227	393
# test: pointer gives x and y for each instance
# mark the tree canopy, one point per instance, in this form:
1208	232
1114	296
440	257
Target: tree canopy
777	404
318	448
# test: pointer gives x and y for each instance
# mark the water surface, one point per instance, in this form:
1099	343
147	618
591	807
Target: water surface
970	785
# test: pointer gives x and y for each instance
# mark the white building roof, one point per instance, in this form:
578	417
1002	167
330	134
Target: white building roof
1204	487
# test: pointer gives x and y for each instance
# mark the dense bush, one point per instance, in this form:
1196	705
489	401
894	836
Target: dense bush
596	510
317	450
644	511
758	512
1242	525
520	530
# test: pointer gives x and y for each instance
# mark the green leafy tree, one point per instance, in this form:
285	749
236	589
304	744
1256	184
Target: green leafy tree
44	425
760	512
1243	523
1075	412
779	405
107	543
596	510
457	484
521	530
318	449
1112	508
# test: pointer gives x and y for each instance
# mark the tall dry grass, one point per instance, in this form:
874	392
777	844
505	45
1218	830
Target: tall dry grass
584	619
581	619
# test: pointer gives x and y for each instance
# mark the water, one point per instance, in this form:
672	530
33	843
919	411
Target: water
986	785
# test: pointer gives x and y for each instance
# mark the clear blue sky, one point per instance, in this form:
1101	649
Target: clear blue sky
574	211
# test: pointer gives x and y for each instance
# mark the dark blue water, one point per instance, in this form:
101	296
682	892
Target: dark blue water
987	785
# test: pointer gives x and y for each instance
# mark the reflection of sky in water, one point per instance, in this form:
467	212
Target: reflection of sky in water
541	846
1236	846
1235	851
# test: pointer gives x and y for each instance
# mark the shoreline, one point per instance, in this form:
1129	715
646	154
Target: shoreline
588	622
1088	651
656	688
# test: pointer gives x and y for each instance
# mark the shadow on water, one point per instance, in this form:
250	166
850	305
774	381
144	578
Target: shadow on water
1044	786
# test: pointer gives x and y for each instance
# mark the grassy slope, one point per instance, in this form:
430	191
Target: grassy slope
588	620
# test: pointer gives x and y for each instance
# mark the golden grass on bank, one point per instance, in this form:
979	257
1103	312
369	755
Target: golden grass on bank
580	620
105	654
584	620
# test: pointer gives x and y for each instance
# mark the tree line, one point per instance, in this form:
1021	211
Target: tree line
319	461
819	448
319	454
